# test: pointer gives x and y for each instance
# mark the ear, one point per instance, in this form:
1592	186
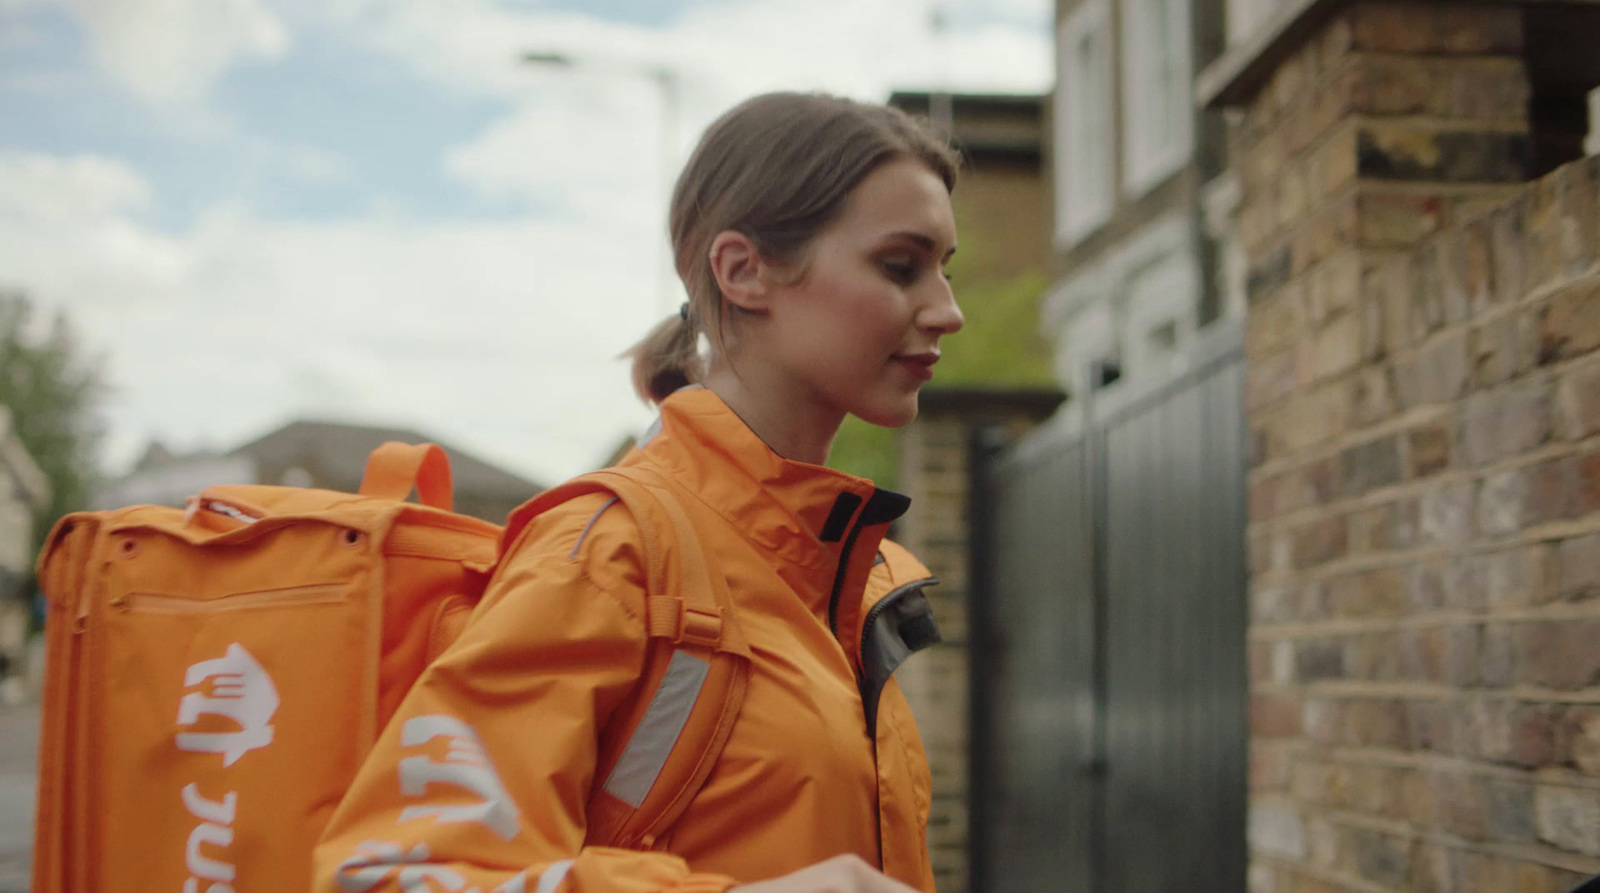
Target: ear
737	264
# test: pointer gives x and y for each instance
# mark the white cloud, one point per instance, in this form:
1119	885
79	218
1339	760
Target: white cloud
172	50
496	335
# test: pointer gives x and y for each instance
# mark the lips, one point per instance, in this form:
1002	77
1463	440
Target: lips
919	365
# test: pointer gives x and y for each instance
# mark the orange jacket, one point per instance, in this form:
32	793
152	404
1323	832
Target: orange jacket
823	759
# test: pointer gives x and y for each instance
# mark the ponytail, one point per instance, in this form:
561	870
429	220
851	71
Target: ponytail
666	359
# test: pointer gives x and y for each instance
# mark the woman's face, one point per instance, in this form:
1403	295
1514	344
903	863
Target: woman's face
859	331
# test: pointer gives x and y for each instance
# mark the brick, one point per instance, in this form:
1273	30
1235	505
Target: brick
1571	323
1370	465
1273	324
1569	818
1477	264
1504	347
1276	830
1509	811
1375	723
1462	654
1562	224
1460	804
1520	576
1438	372
1372	396
1269	379
1506	243
1334	286
1274	716
1582	734
1381	858
1386	296
1427	448
1383	528
1579	563
1488	89
1319	659
1430	726
1269	766
1425	589
1559	654
1373	658
1470	30
1422	655
1323	720
1501	424
1337	347
1394	28
1400	85
1464	581
1369	594
1529	495
1585	499
1397	220
1273	604
1446	513
1319	482
1516	733
1319	542
1424	153
1497	663
1578	396
1332	166
1326	232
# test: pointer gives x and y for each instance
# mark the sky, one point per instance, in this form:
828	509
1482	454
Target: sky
256	211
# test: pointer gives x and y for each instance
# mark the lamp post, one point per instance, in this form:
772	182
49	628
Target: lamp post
666	81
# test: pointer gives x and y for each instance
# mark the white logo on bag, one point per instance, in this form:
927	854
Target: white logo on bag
216	829
375	862
240	690
466	766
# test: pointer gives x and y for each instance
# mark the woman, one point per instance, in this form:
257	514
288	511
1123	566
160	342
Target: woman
811	234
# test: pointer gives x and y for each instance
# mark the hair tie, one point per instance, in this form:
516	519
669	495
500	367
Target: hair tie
683	311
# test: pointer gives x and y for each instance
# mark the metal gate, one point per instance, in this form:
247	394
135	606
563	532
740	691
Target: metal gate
1109	750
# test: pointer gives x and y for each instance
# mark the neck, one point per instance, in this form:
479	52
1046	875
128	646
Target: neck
796	426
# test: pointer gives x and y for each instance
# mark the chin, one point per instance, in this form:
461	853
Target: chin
896	414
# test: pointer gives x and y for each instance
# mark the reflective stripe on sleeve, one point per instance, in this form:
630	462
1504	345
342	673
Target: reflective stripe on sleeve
646	752
553	876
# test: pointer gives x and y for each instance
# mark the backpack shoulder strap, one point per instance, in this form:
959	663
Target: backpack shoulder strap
658	751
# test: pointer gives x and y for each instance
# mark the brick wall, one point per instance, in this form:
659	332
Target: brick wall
1423	390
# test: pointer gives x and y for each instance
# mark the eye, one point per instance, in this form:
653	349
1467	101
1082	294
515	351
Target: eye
901	270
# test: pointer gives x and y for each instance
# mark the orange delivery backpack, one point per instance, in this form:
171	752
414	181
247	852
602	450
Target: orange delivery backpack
215	675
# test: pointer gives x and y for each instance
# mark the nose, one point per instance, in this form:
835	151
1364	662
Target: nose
940	313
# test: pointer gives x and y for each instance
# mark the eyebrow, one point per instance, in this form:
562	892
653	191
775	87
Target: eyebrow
927	242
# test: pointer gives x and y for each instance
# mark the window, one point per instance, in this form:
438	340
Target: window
1157	82
1083	123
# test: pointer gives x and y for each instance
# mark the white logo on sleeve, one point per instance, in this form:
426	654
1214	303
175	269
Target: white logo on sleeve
374	862
240	690
465	766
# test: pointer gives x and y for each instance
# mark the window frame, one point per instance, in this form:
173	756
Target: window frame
1079	215
1144	164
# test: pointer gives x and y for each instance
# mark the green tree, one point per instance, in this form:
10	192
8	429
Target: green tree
54	391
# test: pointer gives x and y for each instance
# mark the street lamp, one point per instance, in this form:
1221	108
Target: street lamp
666	81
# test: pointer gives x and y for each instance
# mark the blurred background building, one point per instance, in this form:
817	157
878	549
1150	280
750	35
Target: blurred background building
325	455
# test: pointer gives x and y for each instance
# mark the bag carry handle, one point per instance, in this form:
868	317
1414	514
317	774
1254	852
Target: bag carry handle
395	467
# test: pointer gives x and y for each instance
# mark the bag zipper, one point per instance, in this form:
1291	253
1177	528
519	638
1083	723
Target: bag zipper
158	603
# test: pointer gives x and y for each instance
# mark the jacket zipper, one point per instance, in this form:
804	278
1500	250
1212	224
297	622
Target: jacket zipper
157	603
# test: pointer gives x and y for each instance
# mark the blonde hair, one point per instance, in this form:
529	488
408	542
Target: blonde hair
778	168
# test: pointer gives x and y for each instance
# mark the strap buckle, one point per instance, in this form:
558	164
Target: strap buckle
683	623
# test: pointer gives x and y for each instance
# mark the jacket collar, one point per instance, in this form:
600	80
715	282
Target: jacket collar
820	527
